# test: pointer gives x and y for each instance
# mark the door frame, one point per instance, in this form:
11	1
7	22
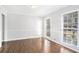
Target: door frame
3	26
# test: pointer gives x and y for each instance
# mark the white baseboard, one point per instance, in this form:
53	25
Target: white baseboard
23	38
65	45
61	43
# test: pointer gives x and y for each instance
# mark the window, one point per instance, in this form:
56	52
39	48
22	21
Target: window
70	28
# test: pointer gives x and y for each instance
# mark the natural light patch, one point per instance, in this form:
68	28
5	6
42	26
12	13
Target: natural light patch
35	6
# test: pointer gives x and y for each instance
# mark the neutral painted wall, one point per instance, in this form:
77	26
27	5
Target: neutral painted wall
56	21
57	24
22	26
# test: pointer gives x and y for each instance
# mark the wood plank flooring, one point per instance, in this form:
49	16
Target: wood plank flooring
38	45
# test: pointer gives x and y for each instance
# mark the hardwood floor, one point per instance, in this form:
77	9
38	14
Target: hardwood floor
38	45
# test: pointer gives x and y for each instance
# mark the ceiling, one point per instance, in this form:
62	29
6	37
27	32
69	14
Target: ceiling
40	10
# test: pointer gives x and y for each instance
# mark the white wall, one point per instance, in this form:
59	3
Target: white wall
57	21
23	27
57	25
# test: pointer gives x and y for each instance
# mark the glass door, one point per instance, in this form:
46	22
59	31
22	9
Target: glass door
48	27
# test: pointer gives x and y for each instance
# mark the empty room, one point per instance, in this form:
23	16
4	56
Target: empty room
39	28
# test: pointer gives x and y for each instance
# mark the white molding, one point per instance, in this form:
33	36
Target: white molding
62	21
70	11
62	27
78	31
3	11
0	30
23	38
45	20
64	44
